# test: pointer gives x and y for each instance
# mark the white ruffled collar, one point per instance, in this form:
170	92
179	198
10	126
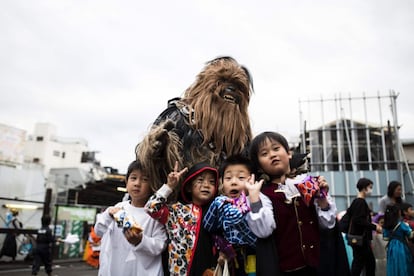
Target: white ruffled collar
289	188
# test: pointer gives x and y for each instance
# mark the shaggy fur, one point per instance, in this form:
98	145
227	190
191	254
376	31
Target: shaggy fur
225	123
208	123
158	152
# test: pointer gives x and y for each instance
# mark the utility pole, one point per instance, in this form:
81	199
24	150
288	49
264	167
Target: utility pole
48	199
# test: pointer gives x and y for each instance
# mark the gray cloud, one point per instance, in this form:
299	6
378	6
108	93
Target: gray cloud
103	70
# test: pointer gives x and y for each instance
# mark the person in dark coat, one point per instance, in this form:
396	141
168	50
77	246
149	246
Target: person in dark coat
10	245
43	249
361	224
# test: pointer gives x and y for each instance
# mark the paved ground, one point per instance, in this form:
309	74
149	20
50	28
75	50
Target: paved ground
72	267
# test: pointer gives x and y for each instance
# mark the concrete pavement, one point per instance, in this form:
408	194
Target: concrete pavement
62	267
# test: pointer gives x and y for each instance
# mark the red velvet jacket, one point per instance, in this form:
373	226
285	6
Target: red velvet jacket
297	231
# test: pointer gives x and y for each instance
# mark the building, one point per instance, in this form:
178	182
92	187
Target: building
46	171
46	148
408	146
346	145
30	164
12	141
356	137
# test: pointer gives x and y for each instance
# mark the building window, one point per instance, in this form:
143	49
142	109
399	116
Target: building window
39	138
56	153
36	160
63	155
88	156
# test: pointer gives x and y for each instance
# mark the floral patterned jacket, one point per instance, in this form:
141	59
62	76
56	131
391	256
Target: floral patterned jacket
183	222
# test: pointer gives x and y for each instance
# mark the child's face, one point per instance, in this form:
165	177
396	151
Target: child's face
409	213
273	158
234	179
203	188
138	186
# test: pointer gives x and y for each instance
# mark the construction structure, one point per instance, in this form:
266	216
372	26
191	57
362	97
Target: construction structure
352	137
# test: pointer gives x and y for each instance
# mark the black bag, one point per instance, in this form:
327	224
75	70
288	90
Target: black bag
354	240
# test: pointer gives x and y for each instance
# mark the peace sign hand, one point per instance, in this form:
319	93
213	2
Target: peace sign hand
174	177
253	187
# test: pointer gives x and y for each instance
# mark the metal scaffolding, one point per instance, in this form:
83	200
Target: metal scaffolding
352	137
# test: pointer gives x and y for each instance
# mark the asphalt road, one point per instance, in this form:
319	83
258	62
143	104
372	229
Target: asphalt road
72	268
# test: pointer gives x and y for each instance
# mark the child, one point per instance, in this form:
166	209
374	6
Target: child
233	217
92	249
407	214
190	251
399	258
42	252
129	250
379	247
298	215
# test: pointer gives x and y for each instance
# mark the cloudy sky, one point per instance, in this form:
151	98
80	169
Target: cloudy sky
103	70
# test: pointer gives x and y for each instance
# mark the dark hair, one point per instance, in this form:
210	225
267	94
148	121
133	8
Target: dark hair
259	140
391	189
237	159
391	216
192	173
404	206
135	165
14	212
363	183
46	219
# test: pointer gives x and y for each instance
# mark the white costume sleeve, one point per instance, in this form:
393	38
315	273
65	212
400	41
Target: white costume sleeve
261	219
103	221
327	219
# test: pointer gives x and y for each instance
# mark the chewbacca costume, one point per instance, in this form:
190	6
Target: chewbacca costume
209	123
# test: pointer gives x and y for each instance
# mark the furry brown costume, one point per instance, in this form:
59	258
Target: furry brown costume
208	123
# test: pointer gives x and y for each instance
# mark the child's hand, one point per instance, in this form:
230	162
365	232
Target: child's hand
174	177
378	228
133	237
253	187
323	191
113	210
323	186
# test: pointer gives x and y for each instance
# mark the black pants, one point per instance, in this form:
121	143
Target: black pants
363	257
42	255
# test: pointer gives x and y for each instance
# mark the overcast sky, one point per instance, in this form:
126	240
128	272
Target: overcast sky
103	70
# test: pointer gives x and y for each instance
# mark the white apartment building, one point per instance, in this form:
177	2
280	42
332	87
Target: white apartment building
30	163
46	148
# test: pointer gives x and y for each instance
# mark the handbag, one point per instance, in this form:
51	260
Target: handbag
222	271
353	240
218	271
